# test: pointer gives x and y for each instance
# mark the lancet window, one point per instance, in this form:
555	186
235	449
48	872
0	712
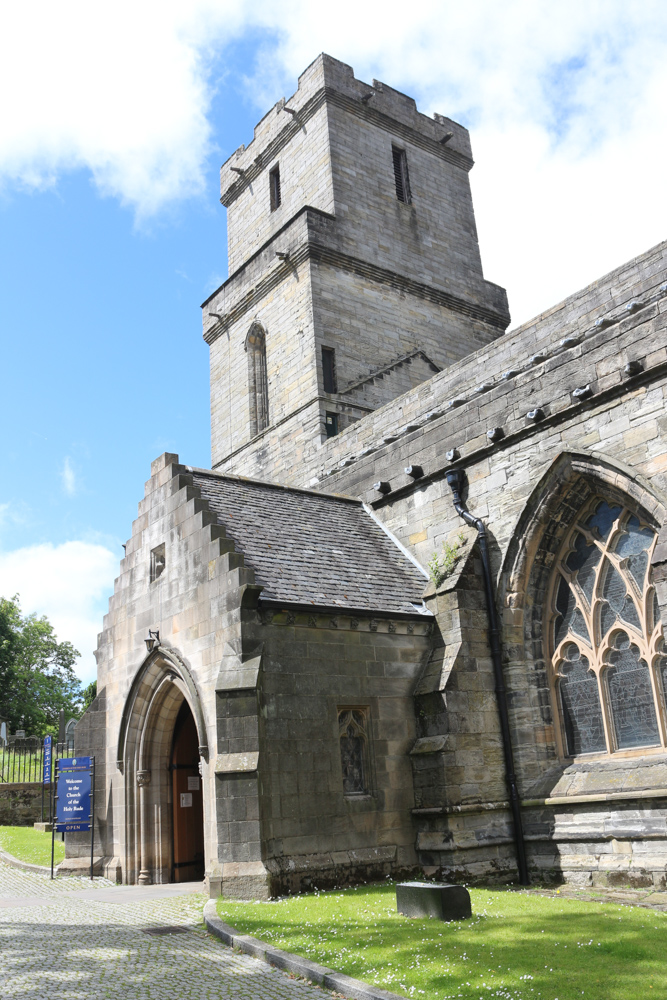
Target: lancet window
258	385
608	652
353	750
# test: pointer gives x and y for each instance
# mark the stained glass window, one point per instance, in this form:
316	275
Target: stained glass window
630	696
582	714
608	654
353	750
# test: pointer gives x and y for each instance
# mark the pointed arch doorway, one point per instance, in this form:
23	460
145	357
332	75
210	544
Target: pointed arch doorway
161	745
187	804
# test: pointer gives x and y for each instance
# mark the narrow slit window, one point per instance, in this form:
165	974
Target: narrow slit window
258	385
331	424
401	174
158	562
329	369
274	185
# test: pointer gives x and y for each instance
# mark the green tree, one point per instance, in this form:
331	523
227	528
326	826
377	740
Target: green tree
37	678
89	695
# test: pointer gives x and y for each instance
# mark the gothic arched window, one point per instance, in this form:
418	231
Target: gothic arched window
608	654
258	384
353	750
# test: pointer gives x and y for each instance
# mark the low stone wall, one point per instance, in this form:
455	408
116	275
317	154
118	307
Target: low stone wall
21	803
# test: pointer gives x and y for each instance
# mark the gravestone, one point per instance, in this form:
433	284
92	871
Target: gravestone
431	899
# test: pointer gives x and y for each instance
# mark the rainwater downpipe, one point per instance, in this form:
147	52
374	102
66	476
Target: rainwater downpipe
455	480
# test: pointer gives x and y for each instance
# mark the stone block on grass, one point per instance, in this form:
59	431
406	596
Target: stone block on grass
430	899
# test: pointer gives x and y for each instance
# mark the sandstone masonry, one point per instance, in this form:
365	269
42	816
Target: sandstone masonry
346	708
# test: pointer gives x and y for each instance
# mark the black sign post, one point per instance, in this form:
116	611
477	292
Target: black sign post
46	770
74	804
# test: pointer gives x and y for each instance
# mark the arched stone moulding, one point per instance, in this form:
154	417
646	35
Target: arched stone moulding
526	576
163	663
159	688
544	511
258	386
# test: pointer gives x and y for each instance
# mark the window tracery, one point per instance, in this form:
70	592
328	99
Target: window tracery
608	653
353	750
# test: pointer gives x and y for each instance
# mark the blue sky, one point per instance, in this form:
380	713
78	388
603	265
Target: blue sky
112	233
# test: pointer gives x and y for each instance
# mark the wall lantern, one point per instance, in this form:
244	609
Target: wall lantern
153	640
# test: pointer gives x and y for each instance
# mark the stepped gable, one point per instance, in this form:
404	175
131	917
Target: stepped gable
313	548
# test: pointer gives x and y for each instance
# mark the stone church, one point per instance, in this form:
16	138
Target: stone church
411	618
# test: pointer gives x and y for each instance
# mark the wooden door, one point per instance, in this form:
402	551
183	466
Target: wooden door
187	803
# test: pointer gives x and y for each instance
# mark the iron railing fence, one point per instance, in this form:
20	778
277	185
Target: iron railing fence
22	759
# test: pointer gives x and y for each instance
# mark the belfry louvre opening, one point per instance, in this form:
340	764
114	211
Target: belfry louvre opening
329	369
401	174
274	187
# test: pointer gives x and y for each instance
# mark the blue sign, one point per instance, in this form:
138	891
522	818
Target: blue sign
73	794
46	775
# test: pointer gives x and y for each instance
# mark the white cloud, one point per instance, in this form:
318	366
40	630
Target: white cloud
565	102
119	89
68	477
70	584
566	108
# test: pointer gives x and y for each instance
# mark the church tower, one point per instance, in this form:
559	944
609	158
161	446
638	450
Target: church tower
355	271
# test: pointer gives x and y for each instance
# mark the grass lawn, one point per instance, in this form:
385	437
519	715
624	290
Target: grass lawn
517	946
27	844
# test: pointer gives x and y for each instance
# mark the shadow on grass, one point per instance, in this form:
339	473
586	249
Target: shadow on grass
516	944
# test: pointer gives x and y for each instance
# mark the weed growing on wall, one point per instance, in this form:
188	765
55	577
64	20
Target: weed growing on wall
440	565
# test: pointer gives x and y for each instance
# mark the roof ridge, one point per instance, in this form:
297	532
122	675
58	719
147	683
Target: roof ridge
389	367
272	485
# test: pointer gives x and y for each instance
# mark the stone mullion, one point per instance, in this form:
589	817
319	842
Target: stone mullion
652	638
639	637
658	691
588	614
606	713
596	638
599	656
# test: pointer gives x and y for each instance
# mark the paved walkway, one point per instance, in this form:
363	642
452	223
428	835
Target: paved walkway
64	940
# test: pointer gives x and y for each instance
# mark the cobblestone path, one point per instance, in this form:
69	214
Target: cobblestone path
64	940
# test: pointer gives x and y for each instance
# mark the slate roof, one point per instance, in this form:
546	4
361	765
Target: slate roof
313	548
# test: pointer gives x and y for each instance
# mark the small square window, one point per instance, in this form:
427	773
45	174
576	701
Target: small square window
401	174
331	424
274	186
158	562
329	369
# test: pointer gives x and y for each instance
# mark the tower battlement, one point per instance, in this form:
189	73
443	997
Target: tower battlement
354	259
337	80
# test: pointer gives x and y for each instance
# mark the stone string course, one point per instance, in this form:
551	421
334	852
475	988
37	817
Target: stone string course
611	339
577	396
342	263
543	420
